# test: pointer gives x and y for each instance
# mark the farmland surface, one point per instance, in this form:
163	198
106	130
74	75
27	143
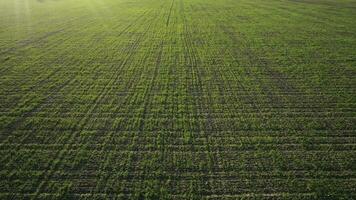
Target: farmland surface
178	99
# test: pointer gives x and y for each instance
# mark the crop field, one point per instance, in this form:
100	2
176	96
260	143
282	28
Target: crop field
178	99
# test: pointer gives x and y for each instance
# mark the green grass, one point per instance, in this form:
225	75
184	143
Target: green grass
178	99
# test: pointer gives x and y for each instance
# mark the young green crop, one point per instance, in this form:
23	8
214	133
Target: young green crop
177	99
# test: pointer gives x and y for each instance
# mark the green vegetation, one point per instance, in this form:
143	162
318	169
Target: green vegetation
178	99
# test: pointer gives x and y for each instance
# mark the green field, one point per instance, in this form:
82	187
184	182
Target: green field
178	99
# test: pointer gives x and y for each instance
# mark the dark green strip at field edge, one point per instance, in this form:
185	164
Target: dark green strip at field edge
177	99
